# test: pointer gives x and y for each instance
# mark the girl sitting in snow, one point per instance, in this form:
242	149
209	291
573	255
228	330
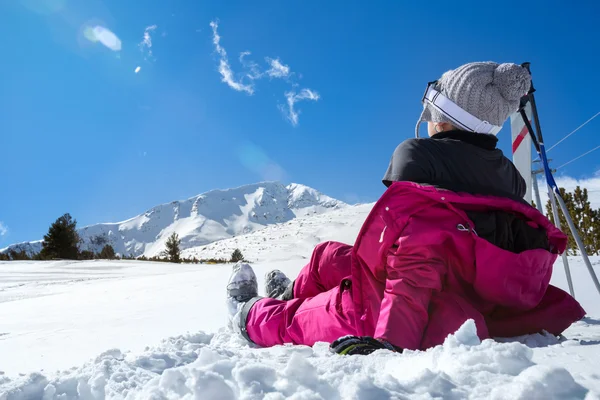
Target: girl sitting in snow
451	239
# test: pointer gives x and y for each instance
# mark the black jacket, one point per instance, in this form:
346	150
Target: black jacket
469	162
459	161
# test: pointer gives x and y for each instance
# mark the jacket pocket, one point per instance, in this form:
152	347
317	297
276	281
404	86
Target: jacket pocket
511	279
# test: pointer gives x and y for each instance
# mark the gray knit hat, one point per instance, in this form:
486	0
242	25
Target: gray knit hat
486	90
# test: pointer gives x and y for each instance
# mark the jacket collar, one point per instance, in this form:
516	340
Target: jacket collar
482	140
477	202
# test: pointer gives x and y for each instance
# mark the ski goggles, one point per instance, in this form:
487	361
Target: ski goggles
459	117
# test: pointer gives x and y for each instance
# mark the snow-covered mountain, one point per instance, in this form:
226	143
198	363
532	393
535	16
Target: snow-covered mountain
203	219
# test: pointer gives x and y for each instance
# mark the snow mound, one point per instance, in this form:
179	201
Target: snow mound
202	219
223	366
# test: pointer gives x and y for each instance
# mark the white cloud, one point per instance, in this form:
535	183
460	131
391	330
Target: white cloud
277	70
146	43
217	39
592	184
224	68
103	35
228	78
292	98
3	229
251	65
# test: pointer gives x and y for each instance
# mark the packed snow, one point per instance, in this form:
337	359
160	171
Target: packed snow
97	329
202	219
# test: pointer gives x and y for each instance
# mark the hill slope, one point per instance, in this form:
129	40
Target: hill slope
291	240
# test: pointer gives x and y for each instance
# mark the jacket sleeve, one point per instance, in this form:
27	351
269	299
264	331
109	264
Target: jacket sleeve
414	271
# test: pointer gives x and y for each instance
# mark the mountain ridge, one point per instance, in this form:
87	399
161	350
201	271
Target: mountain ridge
202	219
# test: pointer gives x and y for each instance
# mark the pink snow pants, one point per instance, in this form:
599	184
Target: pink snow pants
322	309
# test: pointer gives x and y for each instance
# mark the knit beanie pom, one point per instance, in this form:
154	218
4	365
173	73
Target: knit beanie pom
512	81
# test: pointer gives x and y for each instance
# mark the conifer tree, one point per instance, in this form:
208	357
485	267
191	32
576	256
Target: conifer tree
107	252
585	219
62	239
237	256
172	245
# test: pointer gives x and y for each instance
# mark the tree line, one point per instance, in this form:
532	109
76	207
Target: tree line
63	242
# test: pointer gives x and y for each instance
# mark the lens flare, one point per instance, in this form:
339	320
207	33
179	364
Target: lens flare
103	35
257	161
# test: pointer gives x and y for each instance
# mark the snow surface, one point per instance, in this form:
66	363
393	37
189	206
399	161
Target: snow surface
202	219
72	316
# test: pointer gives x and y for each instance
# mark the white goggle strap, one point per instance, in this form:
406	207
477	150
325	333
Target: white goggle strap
459	117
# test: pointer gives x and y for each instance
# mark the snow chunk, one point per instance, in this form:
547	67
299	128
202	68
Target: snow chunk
465	335
541	382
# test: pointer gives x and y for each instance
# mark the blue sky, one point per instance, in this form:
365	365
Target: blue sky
82	132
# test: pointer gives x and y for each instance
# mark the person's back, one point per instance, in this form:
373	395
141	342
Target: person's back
459	161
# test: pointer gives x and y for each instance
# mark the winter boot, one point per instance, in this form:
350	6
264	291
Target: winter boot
276	284
242	287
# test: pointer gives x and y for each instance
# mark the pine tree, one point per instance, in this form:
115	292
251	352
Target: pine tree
4	257
596	230
586	220
172	245
237	256
107	252
62	239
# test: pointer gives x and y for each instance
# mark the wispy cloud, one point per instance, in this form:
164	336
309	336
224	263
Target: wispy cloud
254	70
292	97
3	229
277	70
146	43
224	68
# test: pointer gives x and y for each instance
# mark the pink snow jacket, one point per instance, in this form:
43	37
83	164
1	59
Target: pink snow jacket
419	270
